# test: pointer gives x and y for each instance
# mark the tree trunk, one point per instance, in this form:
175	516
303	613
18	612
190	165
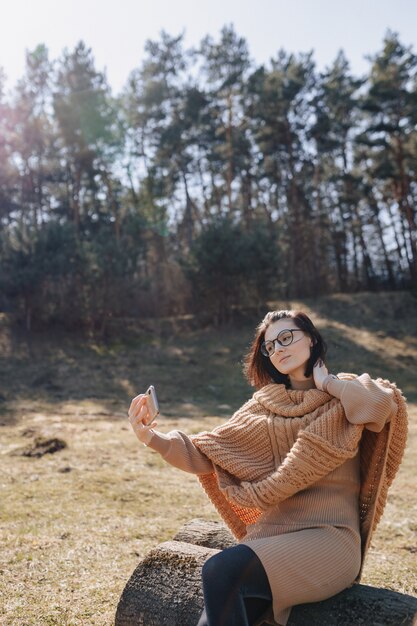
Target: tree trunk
203	190
342	251
399	250
295	248
366	259
165	590
402	197
112	203
260	202
188	219
215	193
338	239
75	200
388	264
407	247
246	194
355	260
229	177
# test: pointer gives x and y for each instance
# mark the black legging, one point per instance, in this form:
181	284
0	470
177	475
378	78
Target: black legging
236	588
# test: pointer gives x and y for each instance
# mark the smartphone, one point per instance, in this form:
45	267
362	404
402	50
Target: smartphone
152	400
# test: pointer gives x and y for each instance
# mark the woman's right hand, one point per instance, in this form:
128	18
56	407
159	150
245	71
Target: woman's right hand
139	419
320	373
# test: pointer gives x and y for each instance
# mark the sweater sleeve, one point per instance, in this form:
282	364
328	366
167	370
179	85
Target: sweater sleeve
365	401
177	449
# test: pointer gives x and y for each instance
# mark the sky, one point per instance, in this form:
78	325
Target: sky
116	30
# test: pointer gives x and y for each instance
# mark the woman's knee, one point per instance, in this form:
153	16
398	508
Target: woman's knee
213	567
229	564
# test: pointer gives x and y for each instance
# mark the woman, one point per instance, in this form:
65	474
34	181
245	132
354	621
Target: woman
300	475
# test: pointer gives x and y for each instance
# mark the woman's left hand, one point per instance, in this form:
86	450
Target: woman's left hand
320	372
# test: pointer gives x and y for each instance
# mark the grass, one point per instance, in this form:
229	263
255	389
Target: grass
73	525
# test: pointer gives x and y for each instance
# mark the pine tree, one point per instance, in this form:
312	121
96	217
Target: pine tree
385	147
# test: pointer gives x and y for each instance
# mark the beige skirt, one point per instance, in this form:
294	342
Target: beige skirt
305	565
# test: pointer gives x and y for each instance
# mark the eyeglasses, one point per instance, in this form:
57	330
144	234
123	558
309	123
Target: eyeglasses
284	338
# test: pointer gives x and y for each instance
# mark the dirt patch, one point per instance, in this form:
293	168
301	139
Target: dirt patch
41	446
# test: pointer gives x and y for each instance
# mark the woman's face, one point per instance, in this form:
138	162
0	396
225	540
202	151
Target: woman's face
290	359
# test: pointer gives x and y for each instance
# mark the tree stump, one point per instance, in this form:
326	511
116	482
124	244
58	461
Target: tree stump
165	589
208	534
360	604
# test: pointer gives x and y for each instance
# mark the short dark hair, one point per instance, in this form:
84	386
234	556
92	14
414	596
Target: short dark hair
259	369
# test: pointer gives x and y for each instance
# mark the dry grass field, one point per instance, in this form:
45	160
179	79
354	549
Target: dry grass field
74	524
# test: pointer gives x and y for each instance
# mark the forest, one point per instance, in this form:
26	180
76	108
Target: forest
208	184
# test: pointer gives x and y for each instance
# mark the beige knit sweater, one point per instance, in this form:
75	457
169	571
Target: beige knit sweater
288	461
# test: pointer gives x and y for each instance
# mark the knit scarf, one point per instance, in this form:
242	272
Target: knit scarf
282	441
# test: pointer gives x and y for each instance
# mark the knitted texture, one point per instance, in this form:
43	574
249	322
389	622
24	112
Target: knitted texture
282	441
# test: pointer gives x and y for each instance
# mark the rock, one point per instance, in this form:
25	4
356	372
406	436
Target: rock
165	589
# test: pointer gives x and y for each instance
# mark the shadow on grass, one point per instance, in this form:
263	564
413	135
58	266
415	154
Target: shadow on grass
199	372
390	313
